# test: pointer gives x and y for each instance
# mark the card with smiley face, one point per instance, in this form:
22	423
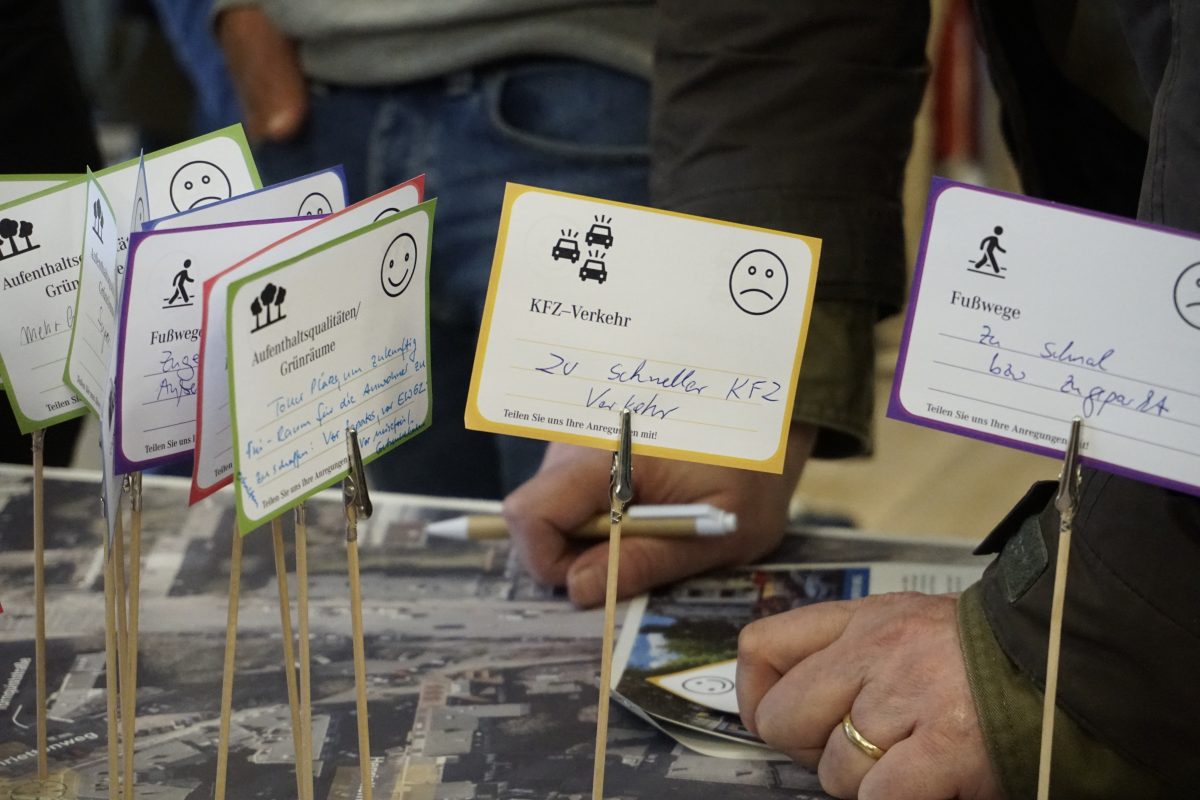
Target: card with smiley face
313	195
696	326
332	339
712	685
1026	314
40	261
214	444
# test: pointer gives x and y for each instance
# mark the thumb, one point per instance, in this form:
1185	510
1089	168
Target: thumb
644	564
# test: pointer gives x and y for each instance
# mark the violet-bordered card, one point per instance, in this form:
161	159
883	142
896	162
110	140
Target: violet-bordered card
314	195
159	340
1026	314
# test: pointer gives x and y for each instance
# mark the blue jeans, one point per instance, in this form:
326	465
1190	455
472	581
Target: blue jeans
557	124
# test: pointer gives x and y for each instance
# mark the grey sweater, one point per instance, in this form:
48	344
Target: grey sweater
379	42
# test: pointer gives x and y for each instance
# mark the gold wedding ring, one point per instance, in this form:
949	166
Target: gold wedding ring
858	740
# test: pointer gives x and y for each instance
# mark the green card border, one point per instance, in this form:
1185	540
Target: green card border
234	132
61	177
245	523
71	347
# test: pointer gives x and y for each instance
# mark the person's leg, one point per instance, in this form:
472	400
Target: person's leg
560	125
557	124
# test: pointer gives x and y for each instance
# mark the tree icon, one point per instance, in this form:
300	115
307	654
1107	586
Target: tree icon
8	229
26	232
270	295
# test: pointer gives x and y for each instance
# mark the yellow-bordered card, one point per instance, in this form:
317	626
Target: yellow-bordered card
696	326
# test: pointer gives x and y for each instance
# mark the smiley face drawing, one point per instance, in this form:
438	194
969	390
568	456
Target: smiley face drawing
1187	295
708	685
198	183
399	265
758	282
314	204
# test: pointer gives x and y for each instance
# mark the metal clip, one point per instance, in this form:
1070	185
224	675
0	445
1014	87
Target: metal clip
354	488
135	490
621	482
1067	498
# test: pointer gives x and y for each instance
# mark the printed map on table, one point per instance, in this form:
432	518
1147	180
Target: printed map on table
334	339
694	325
1025	315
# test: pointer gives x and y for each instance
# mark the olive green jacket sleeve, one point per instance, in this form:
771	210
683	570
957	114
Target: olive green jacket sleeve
1009	706
799	117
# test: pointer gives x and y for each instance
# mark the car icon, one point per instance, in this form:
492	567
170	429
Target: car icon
593	269
566	248
599	234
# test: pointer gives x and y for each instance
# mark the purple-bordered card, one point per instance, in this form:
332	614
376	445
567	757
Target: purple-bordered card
316	194
1026	314
160	324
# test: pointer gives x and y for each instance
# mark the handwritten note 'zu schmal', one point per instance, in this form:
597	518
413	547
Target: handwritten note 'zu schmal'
696	326
1025	315
335	338
214	442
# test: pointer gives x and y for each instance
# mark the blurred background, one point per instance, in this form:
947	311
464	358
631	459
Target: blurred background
150	79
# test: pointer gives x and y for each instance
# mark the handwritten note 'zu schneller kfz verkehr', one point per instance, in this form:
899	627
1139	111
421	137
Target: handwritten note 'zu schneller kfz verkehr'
694	325
335	338
1027	314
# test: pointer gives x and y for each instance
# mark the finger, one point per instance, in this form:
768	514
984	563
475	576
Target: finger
768	648
799	709
559	498
911	769
844	765
645	563
266	73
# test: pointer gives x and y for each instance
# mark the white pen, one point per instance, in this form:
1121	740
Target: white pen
649	520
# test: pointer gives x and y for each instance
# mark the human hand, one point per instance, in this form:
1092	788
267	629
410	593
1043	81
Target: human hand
895	664
266	73
571	487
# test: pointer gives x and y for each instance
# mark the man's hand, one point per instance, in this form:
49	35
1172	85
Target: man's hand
894	663
266	74
571	487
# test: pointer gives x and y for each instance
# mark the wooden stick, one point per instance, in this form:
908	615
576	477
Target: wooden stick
235	580
360	659
110	674
306	743
39	594
610	615
289	652
1052	654
129	707
119	588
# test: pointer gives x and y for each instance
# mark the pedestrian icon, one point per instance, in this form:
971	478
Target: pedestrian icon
180	298
988	247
